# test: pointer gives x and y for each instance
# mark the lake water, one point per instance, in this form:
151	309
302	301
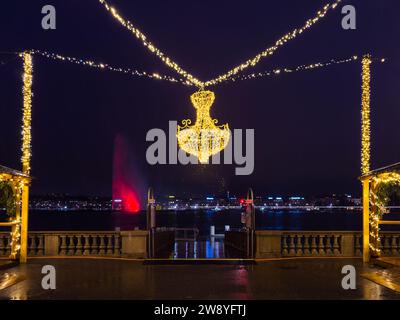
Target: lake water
328	219
202	219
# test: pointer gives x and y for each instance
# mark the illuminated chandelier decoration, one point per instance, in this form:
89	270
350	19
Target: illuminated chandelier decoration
205	138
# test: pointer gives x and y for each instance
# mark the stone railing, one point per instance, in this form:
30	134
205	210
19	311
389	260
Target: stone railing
269	244
390	243
273	244
82	243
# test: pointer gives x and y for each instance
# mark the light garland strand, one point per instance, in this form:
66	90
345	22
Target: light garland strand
15	243
379	208
151	47
133	72
365	114
278	71
279	43
249	63
27	113
104	66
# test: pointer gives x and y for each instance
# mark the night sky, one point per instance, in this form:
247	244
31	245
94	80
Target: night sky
307	124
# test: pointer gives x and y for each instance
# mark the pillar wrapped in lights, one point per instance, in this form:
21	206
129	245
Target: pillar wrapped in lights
27	113
204	138
365	114
26	151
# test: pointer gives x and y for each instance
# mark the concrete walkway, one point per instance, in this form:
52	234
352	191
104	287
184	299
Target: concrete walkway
124	279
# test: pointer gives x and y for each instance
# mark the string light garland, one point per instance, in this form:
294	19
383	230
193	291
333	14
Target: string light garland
365	114
17	184
378	204
156	76
104	66
204	138
151	47
271	50
15	242
223	77
27	112
279	71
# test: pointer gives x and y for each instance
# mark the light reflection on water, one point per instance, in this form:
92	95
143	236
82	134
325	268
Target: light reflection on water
207	248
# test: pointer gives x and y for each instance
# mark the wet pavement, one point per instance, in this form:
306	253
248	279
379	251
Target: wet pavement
127	279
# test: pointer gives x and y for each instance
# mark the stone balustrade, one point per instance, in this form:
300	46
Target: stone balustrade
269	244
82	243
276	244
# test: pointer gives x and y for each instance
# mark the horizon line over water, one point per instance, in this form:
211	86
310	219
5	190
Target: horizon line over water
295	219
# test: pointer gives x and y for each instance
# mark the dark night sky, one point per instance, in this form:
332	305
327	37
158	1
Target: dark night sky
307	125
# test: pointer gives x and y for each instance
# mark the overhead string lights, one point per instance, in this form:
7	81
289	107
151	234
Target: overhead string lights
271	50
223	77
304	67
151	47
152	75
104	66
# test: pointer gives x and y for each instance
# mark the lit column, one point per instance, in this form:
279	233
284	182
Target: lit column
24	224
365	115
26	150
365	251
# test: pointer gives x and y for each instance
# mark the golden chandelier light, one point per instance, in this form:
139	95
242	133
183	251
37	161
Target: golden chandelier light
204	138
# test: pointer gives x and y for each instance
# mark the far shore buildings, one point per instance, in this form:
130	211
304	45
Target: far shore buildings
64	202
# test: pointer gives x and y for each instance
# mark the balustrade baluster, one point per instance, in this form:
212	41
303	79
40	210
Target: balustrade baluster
95	245
306	245
109	249
63	245
336	246
284	246
291	245
102	245
314	251
321	245
329	245
70	245
299	245
86	245
40	247
32	245
79	246
116	245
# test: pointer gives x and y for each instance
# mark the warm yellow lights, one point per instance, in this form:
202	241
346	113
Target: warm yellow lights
151	47
376	208
300	68
378	204
365	114
204	138
223	77
27	113
104	66
271	50
17	183
15	242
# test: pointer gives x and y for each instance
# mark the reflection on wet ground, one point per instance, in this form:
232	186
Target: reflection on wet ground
124	279
206	248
